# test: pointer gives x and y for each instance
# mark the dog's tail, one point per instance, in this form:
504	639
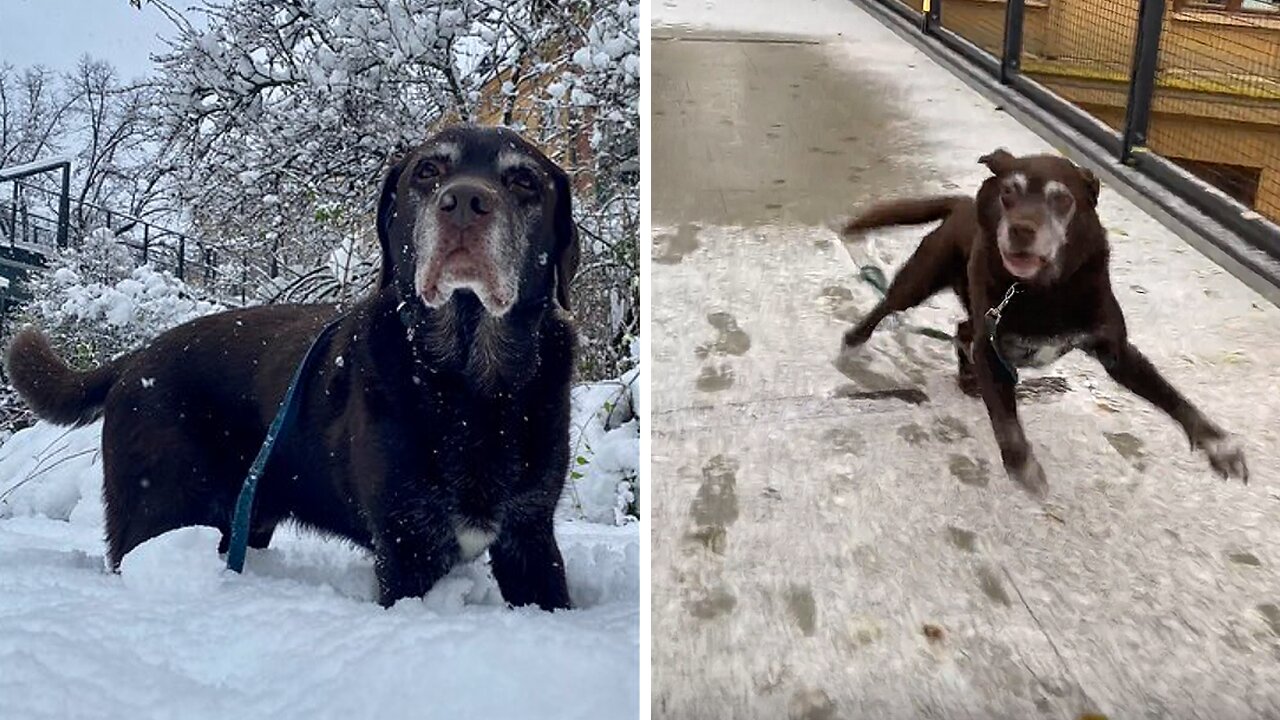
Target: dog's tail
53	390
910	211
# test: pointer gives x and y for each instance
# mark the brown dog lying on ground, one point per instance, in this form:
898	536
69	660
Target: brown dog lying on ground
1029	260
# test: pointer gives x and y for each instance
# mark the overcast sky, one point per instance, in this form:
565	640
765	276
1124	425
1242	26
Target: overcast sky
57	32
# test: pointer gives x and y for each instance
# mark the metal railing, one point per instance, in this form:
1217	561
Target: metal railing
1188	95
37	221
22	220
15	176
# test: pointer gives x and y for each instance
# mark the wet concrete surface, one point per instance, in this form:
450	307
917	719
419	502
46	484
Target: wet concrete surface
841	542
783	134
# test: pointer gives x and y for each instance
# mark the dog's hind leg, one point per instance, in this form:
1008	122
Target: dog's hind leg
151	488
931	268
148	511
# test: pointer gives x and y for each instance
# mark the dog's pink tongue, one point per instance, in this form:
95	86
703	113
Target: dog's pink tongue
1022	266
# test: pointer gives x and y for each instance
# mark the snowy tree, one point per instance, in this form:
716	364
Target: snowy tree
99	123
115	161
282	118
32	114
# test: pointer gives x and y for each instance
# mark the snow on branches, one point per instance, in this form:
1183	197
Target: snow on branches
281	117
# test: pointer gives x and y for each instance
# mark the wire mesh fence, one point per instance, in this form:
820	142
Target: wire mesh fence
1083	51
981	22
1189	89
1216	108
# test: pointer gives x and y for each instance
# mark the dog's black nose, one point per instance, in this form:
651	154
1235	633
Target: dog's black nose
1022	236
463	203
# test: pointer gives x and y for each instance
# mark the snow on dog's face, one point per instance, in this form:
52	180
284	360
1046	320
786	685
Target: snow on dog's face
1031	204
477	210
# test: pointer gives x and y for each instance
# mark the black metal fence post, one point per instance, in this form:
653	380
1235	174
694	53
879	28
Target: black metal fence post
182	256
146	242
1142	81
13	220
931	19
64	207
1011	59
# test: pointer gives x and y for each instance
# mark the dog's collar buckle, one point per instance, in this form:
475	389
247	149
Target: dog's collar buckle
993	317
405	313
994	314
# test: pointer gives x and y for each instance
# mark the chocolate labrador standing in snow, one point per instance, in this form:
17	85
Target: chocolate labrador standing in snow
435	425
1028	258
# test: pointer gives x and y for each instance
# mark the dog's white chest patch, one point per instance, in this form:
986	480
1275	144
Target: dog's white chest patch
473	541
1038	351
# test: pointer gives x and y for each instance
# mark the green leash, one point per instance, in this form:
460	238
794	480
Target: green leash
875	277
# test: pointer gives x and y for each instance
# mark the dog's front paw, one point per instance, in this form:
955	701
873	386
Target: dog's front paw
1226	456
1030	476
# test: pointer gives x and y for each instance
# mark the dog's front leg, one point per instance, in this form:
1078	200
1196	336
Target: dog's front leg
526	560
998	393
412	552
1133	370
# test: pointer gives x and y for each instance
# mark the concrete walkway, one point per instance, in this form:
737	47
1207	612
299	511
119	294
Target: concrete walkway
826	549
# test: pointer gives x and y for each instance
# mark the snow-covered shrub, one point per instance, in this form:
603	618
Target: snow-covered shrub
14	414
348	273
96	302
46	470
604	444
602	82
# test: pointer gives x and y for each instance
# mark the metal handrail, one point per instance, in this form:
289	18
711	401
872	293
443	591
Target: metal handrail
110	213
153	235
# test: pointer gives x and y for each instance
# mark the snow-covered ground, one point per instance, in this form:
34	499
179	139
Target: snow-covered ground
175	635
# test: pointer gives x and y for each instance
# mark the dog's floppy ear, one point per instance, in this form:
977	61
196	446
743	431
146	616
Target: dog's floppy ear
386	213
1092	185
999	161
567	251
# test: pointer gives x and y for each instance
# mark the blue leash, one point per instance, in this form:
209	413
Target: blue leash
239	544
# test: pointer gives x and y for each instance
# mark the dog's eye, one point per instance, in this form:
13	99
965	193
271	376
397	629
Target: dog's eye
1061	202
428	170
1008	194
522	179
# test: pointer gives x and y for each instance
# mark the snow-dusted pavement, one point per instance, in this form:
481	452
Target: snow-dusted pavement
806	536
175	635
